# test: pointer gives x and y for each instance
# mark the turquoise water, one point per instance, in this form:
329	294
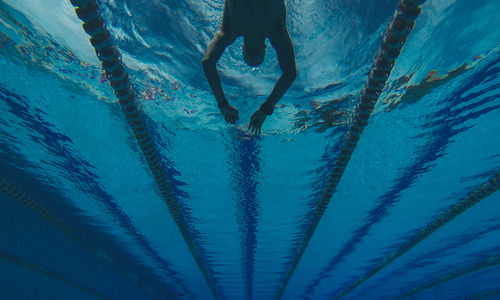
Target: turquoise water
247	200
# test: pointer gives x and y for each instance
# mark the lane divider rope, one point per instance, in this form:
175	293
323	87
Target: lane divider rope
488	294
95	26
478	194
394	39
49	273
489	262
26	201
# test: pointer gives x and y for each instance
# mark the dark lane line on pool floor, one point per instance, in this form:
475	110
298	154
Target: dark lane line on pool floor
78	170
444	124
246	164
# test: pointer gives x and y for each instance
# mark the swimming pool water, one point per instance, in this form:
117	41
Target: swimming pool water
102	230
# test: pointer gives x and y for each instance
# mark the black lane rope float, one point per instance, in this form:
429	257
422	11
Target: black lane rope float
19	196
394	39
26	201
488	294
489	262
474	197
95	26
12	258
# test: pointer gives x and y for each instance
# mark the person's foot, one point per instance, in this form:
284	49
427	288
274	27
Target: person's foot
230	113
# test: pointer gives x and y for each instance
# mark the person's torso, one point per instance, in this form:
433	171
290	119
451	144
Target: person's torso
254	16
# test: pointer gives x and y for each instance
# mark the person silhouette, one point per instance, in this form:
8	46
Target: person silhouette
255	20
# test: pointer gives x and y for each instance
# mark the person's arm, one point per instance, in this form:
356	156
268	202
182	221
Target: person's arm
286	58
219	42
214	51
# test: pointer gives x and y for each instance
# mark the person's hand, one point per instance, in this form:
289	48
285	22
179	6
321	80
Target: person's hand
229	112
256	121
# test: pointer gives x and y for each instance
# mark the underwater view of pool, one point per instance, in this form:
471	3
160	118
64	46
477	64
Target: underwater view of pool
175	203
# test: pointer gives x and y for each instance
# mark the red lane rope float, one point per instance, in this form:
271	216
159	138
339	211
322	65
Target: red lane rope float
108	54
394	39
19	196
480	193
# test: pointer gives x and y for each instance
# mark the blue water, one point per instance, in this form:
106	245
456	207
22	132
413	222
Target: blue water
64	141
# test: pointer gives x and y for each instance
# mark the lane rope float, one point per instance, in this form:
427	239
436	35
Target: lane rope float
18	195
395	38
489	262
12	258
110	57
478	194
27	202
488	294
